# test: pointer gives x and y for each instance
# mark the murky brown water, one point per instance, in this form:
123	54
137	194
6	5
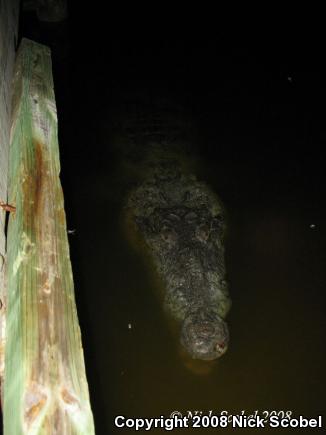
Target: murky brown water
275	263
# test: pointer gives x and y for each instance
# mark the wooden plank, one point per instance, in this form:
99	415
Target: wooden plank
8	35
45	389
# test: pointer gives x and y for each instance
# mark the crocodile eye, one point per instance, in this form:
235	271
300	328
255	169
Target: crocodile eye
168	235
202	232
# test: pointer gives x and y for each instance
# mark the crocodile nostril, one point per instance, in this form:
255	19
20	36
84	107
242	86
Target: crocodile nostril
205	330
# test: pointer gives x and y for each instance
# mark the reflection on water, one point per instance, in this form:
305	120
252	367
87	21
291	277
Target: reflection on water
276	356
198	367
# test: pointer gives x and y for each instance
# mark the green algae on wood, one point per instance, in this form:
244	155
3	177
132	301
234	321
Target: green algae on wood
45	388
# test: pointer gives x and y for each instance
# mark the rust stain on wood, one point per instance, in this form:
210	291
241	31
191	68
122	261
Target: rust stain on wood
7	207
34	411
38	177
68	398
33	185
35	400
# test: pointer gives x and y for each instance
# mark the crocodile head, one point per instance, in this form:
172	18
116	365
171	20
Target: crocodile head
183	226
204	334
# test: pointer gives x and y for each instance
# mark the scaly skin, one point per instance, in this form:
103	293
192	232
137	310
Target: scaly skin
183	224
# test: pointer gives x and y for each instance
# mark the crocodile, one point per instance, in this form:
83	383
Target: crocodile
180	219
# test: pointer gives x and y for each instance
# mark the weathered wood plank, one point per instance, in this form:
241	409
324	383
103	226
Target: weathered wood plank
45	390
8	35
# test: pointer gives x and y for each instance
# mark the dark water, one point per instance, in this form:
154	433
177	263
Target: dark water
275	262
262	138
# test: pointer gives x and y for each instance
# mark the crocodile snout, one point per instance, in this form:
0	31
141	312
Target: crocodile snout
205	336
